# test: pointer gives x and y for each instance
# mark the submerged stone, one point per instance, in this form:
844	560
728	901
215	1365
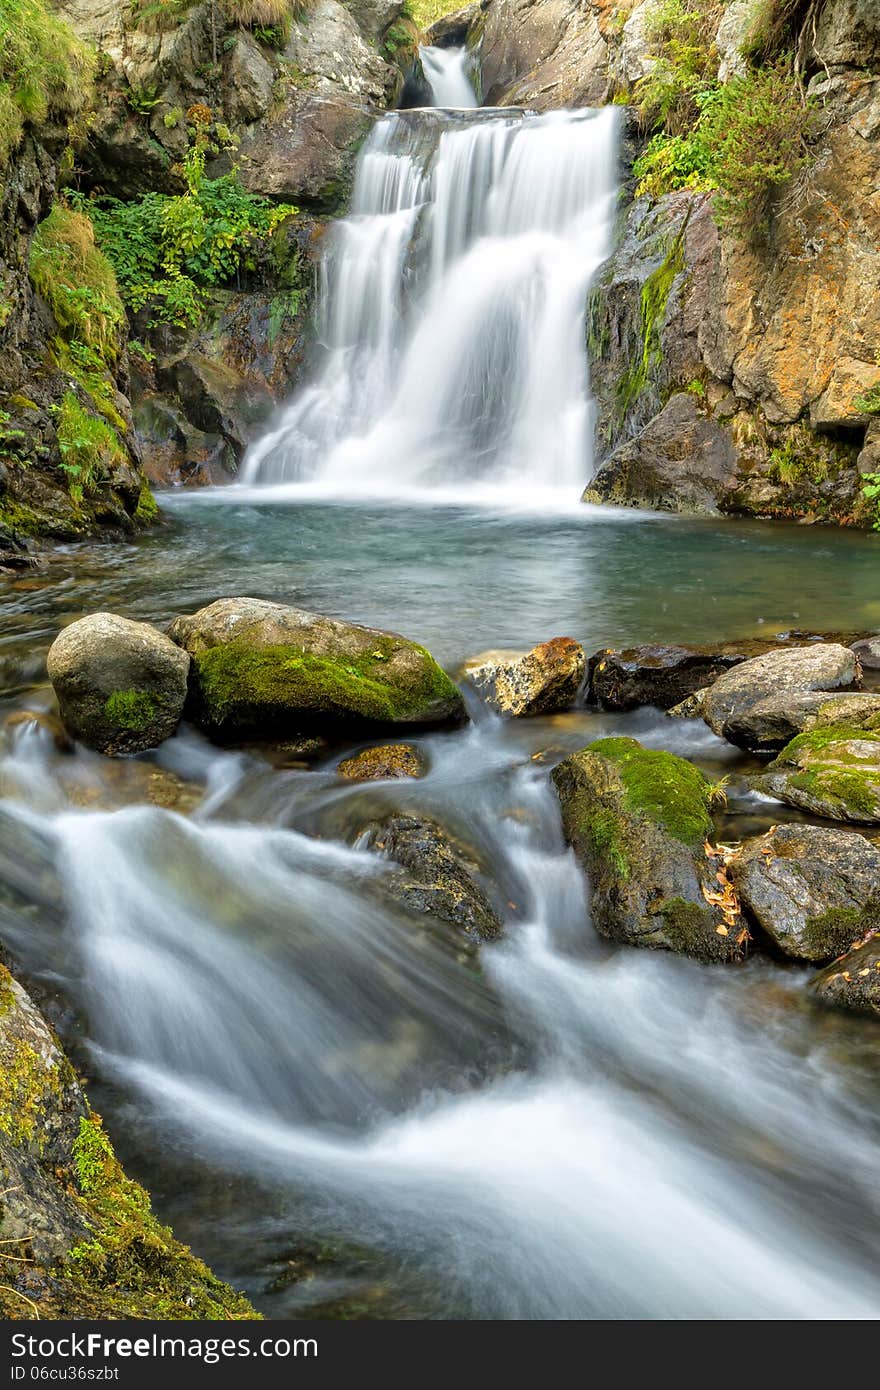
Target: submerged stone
542	681
439	875
391	760
121	685
264	670
639	821
808	886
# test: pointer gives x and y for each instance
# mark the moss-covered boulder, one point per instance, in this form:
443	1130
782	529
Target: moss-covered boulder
121	685
438	875
639	821
78	1237
263	670
853	981
389	761
831	771
788	671
541	681
808	887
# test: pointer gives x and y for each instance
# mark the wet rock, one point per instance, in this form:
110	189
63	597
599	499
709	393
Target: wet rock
249	81
121	686
867	651
832	772
541	56
452	30
808	886
680	462
70	1220
853	982
789	670
661	674
440	875
774	721
392	760
262	670
639	821
541	681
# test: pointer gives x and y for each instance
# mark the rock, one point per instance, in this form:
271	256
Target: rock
867	651
680	462
868	460
121	686
639	820
541	56
848	32
541	681
440	875
825	666
374	16
661	674
832	772
734	28
70	1220
774	721
262	670
853	982
249	81
392	760
808	887
452	30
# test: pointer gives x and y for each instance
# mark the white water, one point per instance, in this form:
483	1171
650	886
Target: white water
451	314
676	1146
446	72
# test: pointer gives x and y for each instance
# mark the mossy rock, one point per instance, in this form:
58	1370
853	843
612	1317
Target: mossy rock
853	982
121	685
639	821
808	887
831	771
263	670
80	1236
389	761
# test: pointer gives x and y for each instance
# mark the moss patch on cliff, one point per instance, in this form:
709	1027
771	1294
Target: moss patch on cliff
132	1263
46	72
77	281
668	790
89	447
652	309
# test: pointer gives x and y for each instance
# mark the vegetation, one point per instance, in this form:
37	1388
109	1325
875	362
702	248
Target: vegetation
667	789
167	250
45	70
89	447
77	282
742	138
427	12
652	307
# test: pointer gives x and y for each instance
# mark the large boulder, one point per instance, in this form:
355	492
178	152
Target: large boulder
262	669
541	55
438	875
853	982
121	685
775	720
824	666
661	674
639	821
832	772
541	681
78	1238
807	887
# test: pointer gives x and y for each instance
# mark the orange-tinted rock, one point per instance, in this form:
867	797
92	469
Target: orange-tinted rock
377	764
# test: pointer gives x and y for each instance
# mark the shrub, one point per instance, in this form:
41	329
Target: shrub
869	403
77	281
685	62
45	70
167	250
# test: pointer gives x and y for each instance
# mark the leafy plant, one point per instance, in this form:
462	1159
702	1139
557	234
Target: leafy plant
168	250
142	99
88	446
869	403
871	490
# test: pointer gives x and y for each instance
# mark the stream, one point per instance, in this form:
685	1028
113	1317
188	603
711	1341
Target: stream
342	1111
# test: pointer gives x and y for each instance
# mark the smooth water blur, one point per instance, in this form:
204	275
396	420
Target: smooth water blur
447	72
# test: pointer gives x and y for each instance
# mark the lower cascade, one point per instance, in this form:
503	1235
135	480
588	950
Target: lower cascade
451	311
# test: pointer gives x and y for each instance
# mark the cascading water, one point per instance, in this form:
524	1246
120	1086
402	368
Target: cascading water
451	312
447	74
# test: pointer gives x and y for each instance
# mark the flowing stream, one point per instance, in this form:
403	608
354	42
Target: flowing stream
341	1108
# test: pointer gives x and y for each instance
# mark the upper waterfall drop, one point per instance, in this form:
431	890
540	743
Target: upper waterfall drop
450	317
446	73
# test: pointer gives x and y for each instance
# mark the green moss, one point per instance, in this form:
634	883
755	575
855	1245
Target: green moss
827	772
848	789
7	993
668	790
27	1083
652	311
46	72
131	709
817	740
688	924
147	509
132	1262
77	281
236	677
602	830
833	931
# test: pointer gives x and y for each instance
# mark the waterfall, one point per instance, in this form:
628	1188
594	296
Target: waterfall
446	72
450	312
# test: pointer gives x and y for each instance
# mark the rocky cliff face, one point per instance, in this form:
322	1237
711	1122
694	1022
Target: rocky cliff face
731	371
